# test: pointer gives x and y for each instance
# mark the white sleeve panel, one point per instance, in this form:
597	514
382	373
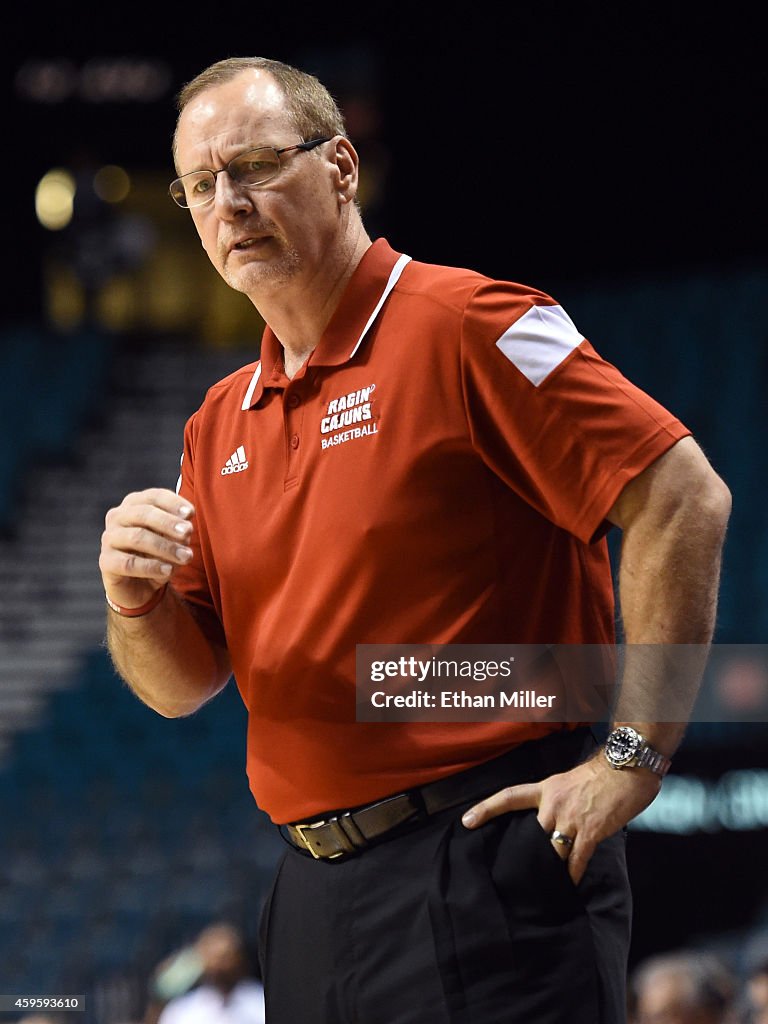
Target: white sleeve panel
539	341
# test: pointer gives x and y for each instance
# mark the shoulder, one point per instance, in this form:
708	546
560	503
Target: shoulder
192	1006
453	283
467	292
250	991
232	388
225	396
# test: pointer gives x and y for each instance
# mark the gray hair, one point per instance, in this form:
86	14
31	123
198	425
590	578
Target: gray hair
313	111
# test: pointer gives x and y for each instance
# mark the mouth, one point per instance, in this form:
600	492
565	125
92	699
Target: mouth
249	243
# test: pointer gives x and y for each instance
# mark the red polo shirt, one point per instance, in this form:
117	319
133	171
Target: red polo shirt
439	471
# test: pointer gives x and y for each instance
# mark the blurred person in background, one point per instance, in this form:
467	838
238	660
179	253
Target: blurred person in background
756	989
683	988
43	1018
225	991
421	454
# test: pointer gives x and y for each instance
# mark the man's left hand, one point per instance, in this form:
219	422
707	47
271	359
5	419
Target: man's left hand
588	803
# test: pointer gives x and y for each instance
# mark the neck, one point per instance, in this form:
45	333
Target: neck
299	311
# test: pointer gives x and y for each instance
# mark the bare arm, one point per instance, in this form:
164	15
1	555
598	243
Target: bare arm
163	656
674	517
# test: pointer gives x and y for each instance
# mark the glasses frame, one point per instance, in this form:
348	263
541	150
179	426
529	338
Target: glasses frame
303	147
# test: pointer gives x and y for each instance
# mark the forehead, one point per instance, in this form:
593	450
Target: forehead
249	108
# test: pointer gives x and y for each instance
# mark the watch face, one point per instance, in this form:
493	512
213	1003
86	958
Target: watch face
622	744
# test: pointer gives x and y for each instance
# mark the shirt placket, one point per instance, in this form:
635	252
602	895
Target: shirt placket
293	418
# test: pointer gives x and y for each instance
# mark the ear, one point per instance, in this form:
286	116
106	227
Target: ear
346	166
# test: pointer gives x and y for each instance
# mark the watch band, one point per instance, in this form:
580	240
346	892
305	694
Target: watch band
649	758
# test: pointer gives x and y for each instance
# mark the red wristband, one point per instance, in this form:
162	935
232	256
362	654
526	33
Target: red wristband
143	609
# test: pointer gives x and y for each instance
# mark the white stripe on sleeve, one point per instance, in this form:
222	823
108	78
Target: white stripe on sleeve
539	341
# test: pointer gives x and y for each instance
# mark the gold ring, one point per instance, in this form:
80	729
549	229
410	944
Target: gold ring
561	838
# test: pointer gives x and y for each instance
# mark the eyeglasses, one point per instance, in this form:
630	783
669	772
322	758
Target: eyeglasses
251	169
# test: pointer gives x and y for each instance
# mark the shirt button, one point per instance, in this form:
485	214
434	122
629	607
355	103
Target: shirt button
295	441
293	401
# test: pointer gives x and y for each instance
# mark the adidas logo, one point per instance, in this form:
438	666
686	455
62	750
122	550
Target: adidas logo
236	462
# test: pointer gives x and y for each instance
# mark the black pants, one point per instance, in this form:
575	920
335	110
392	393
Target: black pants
446	926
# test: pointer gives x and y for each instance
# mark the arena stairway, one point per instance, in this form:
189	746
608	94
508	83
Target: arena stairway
121	833
52	607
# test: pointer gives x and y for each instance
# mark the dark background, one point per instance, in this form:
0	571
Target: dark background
557	144
535	142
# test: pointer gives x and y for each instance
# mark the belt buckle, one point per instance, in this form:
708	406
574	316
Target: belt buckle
336	829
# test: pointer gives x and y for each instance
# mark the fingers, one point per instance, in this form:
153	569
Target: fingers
587	804
569	840
513	798
579	858
560	807
156	498
143	554
577	853
571	834
562	841
145	538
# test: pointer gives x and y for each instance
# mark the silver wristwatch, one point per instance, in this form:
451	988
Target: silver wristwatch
626	748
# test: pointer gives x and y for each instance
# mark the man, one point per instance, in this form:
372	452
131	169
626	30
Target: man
756	971
683	988
225	995
420	456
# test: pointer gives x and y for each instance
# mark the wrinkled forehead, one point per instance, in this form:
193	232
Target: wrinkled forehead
248	109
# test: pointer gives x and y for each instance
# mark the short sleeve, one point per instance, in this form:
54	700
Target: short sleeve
560	425
192	581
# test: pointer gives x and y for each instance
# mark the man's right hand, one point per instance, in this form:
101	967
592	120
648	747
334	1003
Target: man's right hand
145	537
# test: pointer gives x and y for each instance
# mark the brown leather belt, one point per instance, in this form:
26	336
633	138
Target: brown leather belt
344	833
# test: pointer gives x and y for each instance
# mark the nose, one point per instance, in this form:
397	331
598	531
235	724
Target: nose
231	199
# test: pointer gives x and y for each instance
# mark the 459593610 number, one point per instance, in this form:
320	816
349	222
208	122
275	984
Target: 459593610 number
11	1003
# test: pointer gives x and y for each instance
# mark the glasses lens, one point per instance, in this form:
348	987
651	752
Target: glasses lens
254	167
193	189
